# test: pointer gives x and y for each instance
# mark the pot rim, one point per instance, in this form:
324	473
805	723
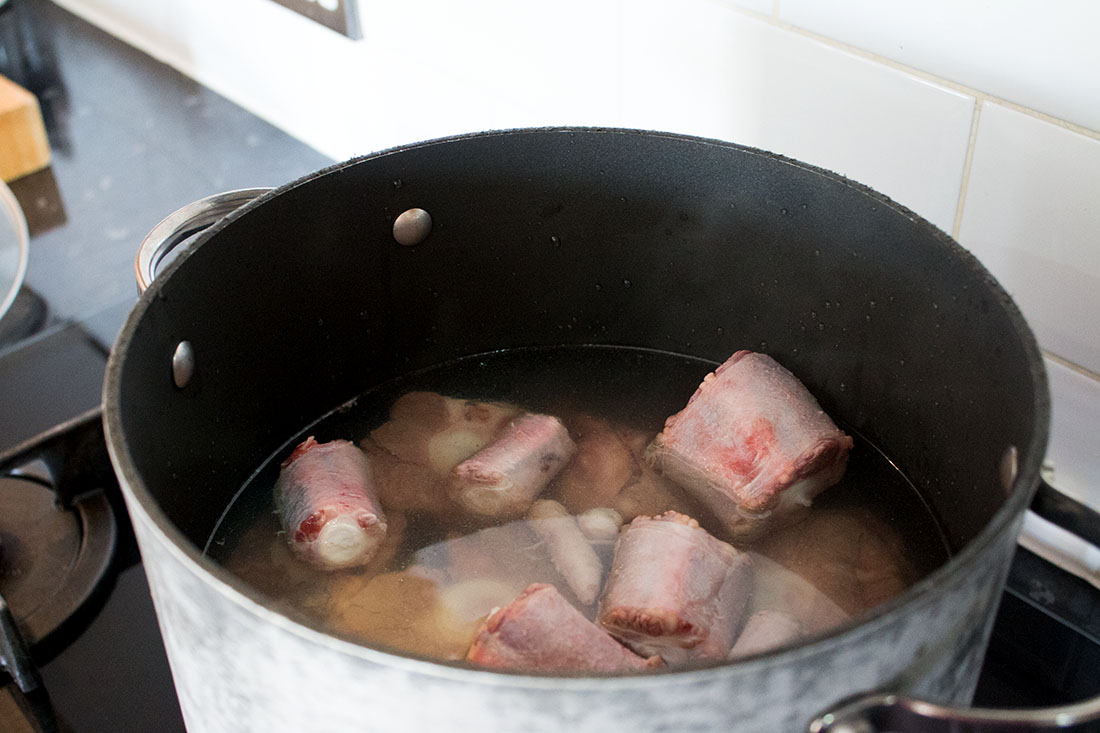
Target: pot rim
240	593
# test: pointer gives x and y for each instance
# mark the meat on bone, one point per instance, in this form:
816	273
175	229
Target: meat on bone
765	630
426	436
751	444
503	479
569	550
850	556
540	631
328	505
602	465
675	590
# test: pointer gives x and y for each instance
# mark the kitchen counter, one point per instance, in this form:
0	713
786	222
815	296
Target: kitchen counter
132	140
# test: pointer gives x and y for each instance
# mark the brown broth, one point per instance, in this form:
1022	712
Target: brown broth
436	579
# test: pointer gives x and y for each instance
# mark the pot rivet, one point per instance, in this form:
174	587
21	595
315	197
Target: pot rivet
1008	468
412	227
183	364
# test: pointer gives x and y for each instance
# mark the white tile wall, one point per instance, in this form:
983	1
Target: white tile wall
763	7
1032	215
1074	438
1043	55
697	67
745	70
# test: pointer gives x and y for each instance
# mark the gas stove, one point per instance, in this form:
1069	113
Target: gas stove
74	591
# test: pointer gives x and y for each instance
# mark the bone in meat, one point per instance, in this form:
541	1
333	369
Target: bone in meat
849	555
601	466
540	631
751	444
766	629
573	557
407	611
503	479
426	436
328	505
675	590
777	588
601	524
649	493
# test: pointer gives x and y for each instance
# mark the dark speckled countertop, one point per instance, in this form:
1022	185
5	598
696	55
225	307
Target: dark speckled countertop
132	140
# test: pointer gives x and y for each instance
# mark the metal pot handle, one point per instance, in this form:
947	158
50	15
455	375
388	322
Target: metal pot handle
182	224
1056	528
884	713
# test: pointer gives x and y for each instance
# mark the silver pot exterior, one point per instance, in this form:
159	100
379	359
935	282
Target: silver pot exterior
239	666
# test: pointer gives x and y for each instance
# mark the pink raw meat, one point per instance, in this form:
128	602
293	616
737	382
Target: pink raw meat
504	478
675	590
328	505
541	632
427	435
765	630
602	465
751	444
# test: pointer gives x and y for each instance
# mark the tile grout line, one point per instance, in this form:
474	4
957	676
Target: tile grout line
1072	366
968	161
773	19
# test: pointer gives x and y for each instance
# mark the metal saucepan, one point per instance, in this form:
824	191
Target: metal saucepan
302	299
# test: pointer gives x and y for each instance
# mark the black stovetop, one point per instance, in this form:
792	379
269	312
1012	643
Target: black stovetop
131	141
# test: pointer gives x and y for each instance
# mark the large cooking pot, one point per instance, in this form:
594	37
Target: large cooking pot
303	299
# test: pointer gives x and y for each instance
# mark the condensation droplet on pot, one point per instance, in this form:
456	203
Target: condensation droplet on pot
183	364
763	345
599	287
412	227
1009	468
555	240
868	317
397	183
821	327
721	330
626	283
817	252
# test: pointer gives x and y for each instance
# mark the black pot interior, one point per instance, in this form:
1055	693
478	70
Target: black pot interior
575	237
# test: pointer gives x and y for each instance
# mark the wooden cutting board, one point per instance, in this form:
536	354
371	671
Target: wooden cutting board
23	144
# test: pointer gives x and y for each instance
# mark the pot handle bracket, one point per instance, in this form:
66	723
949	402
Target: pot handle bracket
1056	528
887	713
182	224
